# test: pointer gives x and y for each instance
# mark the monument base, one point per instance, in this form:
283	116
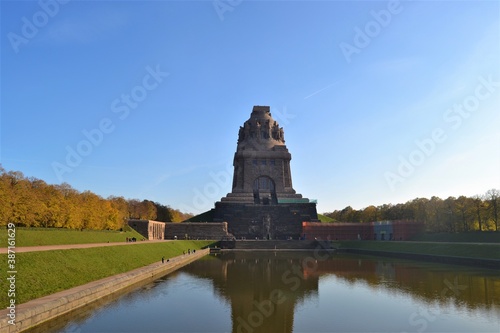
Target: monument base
251	221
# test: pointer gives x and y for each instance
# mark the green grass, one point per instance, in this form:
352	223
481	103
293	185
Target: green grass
324	218
485	251
59	236
43	273
207	216
468	237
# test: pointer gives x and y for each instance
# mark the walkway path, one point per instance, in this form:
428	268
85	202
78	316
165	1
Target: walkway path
75	246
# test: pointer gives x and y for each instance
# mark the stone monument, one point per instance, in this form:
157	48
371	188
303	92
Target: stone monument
263	203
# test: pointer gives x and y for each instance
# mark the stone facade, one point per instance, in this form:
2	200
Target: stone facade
274	221
196	230
149	229
154	230
263	203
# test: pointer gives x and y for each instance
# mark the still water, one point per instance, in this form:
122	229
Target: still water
302	292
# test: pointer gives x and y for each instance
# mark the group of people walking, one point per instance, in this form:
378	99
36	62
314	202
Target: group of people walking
189	251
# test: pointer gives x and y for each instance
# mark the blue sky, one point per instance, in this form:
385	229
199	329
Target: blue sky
381	101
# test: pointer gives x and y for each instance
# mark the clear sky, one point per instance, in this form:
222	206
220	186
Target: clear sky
381	102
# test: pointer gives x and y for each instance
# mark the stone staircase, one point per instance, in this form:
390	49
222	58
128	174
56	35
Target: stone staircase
270	245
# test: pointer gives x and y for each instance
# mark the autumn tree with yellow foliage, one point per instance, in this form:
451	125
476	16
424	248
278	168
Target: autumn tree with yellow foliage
31	202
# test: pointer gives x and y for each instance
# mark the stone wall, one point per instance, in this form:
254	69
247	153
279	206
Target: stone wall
275	245
381	230
196	230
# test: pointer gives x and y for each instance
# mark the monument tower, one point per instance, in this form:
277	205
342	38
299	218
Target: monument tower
262	202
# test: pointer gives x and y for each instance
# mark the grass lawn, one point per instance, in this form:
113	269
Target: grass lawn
325	219
468	237
43	273
486	251
59	236
203	217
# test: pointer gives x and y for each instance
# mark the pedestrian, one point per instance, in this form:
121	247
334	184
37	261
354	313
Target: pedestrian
162	260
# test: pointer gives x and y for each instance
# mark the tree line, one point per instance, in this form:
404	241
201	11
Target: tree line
462	214
31	202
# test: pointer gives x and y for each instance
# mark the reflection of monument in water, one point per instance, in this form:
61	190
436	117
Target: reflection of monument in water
261	288
262	202
248	282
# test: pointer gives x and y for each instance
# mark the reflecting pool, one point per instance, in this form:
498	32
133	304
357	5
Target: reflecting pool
251	292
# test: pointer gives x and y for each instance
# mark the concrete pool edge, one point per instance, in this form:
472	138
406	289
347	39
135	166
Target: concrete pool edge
40	310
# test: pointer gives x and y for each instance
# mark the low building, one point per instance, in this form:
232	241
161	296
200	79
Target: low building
150	230
380	230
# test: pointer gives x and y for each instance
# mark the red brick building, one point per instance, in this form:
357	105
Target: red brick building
381	230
